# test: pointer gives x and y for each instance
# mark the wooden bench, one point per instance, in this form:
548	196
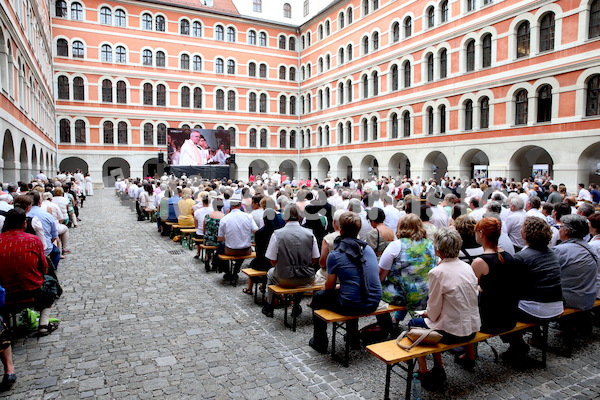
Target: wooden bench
230	260
286	294
207	252
570	339
186	237
338	321
254	273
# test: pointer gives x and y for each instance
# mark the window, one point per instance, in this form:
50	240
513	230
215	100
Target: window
65	131
407	73
252	37
263	70
63	88
320	94
470	54
442	110
470	5
327	98
544	105
282	42
521	104
148	134
105	16
327	62
406	124
220	100
365	45
121	92
365	7
120	18
252	102
484	118
147	57
594	28
292	74
107	91
161	95
148	94
349	91
444	11
365	86
430	120
430	67
308	36
547	32
327	28
121	132
60	9
349	132
257	5
292	139
263	137
375	41
395	32
252	138
109	133
327	140
350	13
487	51
121	54
219	33
375	128
341	56
292	105
407	27
78	89
592	96
251	69
106	53
80	131
262	103
231	34
161	59
160	23
230	67
147	22
282	72
282	139
196	29
197	63
219	66
77	49
287	10
341	20
430	17
468	115
365	130
184	27
320	32
394	126
308	103
394	74
231	100
262	39
185	97
184	61
375	79
76	12
161	134
197	98
523	39
320	64
306	9
292	44
443	63
62	48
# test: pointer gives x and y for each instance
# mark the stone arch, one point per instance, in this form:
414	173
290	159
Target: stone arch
289	167
114	168
589	165
438	159
369	167
72	164
344	168
258	167
469	160
305	169
153	168
25	173
522	162
8	158
323	168
399	165
34	160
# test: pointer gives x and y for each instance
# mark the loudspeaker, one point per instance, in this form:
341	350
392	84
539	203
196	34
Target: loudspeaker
161	157
231	158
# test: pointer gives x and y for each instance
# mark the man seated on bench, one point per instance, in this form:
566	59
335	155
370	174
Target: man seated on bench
290	256
355	264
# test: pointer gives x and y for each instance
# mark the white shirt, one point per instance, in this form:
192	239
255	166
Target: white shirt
439	217
199	215
392	215
514	223
584	195
237	227
53	209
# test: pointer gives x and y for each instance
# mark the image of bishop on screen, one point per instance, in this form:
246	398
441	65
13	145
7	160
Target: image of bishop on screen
197	147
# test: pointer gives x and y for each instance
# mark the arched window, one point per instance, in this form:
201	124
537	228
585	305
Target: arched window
107	91
219	66
349	52
430	67
365	7
443	63
263	103
320	94
594	28
108	129
282	72
147	22
262	39
78	51
340	95
430	120
252	138
365	45
521	103
122	132
523	39
442	110
197	63
407	27
292	45
320	64
292	139
328	62
292	74
365	130
375	4
470	5
282	139
120	18
350	13
375	83
486	51
252	37
78	89
106	53
407	73
121	92
80	131
60	9
547	32
231	100
263	137
341	56
196	29
65	131
184	27
406	124
349	132
327	136
282	42
544	111
197	98
327	28
220	100
185	97
375	41
251	69
484	118
395	77
148	134
147	57
592	96
148	94
308	102
219	33
327	98
287	10
121	54
160	23
395	32
470	55
468	115
262	71
365	86
444	11
231	34
230	67
161	95
161	134
252	102
105	16
62	48
293	105
76	12
394	126
320	136
349	91
374	128
430	17
161	59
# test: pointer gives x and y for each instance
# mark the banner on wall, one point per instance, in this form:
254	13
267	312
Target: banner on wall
540	170
480	171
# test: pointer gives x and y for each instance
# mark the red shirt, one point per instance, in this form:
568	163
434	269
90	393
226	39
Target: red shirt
22	261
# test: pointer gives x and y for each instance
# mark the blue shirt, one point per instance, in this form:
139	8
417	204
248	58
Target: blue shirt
173	208
47	220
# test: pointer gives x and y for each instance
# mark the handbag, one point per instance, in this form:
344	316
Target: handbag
418	336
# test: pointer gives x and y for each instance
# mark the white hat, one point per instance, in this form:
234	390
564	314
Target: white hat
235	199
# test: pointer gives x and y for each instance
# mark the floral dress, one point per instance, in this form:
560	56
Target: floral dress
211	231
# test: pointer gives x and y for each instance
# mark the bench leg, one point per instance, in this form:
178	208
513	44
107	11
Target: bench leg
409	376
544	343
334	328
388	374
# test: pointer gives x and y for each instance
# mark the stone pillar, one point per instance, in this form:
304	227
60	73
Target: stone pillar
567	174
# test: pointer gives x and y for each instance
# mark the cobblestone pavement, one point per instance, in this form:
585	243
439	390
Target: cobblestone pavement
141	320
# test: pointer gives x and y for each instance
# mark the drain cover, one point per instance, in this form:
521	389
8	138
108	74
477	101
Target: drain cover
176	252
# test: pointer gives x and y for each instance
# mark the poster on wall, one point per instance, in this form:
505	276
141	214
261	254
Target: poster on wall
198	147
540	170
480	171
